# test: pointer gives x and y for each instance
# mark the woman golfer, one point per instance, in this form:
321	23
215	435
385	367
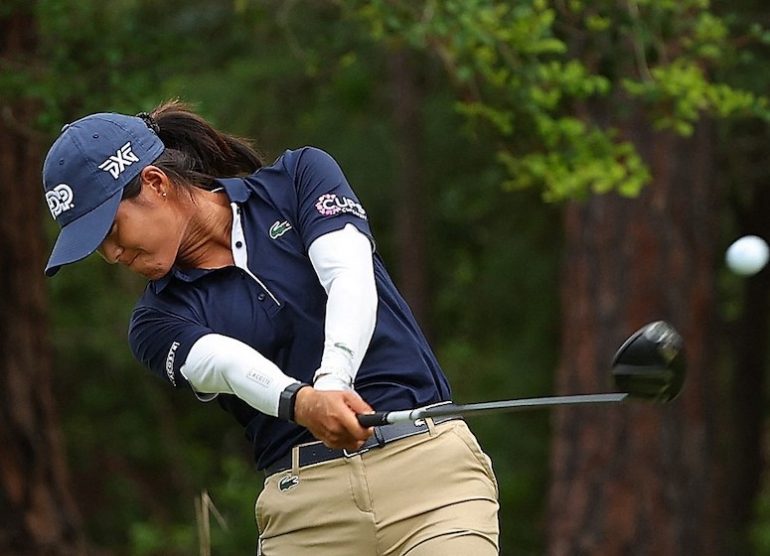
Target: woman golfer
265	293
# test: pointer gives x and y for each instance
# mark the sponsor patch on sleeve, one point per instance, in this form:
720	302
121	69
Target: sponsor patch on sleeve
331	204
170	362
259	378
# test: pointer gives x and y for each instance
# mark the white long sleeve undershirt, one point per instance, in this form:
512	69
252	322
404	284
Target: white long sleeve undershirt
219	364
342	260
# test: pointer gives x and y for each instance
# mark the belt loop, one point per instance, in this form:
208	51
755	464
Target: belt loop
379	437
431	426
295	460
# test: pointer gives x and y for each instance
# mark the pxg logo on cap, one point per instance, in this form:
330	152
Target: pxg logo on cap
84	174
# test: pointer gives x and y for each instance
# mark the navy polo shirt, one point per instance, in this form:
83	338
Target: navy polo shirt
280	310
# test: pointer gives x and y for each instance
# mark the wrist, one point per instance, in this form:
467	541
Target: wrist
331	382
332	378
288	400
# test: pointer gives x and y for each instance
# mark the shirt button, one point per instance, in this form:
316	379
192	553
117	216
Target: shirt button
239	244
261	296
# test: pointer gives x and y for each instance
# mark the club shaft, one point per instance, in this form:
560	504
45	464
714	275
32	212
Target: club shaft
406	416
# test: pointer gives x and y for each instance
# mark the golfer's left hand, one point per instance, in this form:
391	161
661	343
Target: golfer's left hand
331	417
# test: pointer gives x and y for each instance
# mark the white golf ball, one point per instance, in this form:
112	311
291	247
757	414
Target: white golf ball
747	255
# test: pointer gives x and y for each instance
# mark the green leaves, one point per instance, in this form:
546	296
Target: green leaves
528	68
680	94
589	162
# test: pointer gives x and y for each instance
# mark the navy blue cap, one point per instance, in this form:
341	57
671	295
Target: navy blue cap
84	174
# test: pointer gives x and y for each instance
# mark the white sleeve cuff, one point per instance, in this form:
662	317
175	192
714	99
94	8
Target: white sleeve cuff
219	364
332	382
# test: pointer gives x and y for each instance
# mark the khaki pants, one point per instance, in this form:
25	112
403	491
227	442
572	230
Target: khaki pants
432	494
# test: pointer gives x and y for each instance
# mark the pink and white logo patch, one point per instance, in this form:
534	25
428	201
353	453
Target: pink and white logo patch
331	204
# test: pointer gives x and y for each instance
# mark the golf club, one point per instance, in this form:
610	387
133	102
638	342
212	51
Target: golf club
648	366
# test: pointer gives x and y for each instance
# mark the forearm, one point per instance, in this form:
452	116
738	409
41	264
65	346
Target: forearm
350	320
343	262
222	365
219	364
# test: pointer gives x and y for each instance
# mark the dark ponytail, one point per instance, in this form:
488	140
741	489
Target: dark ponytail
196	153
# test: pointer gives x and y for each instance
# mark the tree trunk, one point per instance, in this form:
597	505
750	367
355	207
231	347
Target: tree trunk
745	457
406	95
744	166
639	480
37	514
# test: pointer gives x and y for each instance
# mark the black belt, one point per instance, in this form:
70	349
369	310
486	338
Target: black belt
317	452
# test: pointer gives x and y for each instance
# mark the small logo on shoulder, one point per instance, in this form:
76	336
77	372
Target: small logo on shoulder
279	228
330	204
288	483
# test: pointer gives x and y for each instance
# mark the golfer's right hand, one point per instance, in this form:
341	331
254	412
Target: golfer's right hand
331	416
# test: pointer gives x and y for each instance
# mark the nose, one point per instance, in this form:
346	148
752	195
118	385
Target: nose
110	252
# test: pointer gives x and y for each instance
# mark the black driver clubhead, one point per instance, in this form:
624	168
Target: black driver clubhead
650	364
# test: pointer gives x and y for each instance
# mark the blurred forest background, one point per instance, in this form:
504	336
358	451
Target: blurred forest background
543	177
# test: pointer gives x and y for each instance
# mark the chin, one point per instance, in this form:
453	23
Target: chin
151	273
155	274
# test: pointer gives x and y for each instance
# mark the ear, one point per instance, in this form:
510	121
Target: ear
155	181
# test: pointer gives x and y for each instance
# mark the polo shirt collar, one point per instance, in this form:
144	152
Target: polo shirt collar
190	275
236	189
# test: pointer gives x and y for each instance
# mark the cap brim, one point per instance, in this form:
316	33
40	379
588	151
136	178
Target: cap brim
81	237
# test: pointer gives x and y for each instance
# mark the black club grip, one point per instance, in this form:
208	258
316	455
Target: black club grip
373	419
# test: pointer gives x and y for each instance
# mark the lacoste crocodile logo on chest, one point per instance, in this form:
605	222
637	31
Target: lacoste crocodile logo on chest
279	228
